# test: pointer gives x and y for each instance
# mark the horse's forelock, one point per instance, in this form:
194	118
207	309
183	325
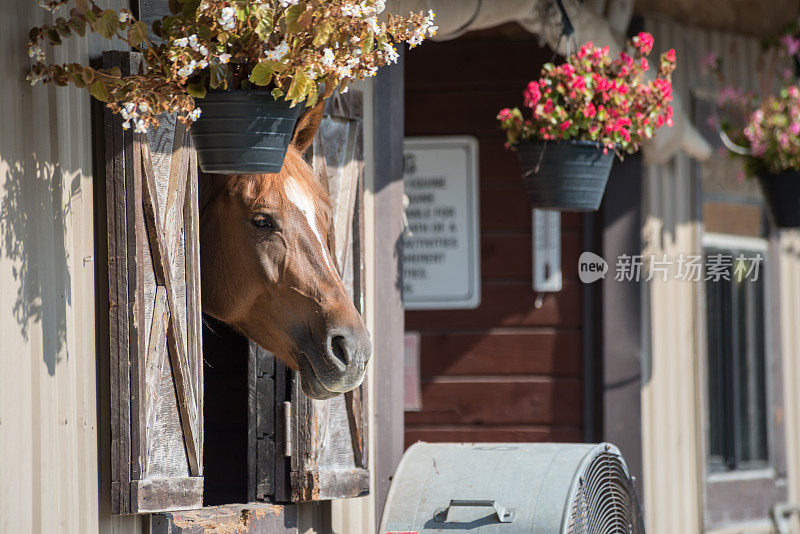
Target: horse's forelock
257	188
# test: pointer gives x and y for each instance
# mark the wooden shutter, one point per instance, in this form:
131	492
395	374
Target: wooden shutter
303	449
329	437
154	314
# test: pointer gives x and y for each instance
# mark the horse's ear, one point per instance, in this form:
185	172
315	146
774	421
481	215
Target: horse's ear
307	127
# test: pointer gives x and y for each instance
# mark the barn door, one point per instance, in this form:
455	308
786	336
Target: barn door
154	314
303	449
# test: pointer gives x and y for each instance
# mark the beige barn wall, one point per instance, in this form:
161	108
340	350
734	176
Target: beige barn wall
673	392
48	391
789	275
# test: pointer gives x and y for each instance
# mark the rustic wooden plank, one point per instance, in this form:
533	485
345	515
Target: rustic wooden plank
475	63
154	361
504	352
124	316
182	374
507	304
194	307
508	255
499	400
252	434
141	301
355	419
331	482
265	484
349	106
460	111
251	518
484	433
159	495
265	403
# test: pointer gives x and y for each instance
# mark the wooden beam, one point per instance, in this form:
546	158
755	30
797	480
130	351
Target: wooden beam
248	518
389	314
163	271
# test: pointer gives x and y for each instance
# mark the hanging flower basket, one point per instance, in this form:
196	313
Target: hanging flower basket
582	112
235	67
566	175
782	194
243	132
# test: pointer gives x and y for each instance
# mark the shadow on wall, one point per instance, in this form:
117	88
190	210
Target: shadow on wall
33	239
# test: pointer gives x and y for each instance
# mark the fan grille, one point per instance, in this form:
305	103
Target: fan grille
605	500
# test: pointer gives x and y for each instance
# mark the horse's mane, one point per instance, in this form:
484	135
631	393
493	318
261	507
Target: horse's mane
253	187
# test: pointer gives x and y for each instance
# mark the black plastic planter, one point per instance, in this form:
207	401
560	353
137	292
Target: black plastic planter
565	175
243	132
782	193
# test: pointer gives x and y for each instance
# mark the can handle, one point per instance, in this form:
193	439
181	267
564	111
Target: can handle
504	515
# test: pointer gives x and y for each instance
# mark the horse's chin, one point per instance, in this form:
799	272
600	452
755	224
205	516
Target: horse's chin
312	386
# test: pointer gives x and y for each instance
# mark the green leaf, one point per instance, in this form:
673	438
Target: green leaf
99	91
190	8
277	93
264	27
313	95
62	27
78	80
91	16
156	27
299	88
322	34
138	33
262	74
166	25
292	14
52	36
108	24
196	90
369	43
78	24
88	74
204	32
174	6
218	76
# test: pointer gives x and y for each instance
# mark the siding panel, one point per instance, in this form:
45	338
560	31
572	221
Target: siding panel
51	427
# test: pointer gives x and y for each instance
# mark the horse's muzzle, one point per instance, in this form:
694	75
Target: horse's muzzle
341	364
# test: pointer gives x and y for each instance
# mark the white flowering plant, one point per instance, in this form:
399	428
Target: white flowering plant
299	50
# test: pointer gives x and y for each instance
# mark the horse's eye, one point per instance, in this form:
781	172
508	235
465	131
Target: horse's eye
262	221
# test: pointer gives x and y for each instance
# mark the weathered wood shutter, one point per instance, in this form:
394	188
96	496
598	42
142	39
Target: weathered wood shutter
324	453
154	314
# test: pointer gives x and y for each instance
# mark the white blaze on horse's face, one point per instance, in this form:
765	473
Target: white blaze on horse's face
305	204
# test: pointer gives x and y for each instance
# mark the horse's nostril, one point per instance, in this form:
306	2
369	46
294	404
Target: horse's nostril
339	349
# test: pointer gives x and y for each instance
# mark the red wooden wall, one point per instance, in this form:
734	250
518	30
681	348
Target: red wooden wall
505	371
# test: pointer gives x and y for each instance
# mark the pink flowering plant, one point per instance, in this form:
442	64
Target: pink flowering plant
592	97
763	127
773	133
300	50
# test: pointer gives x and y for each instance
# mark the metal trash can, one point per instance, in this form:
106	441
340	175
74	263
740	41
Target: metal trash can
539	488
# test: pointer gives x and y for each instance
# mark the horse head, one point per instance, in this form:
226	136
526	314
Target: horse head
267	269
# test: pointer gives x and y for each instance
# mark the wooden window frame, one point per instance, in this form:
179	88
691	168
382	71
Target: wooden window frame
144	229
747	494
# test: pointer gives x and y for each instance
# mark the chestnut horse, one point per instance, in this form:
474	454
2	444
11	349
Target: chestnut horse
267	269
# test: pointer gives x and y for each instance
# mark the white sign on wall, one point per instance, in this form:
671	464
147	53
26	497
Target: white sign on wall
441	257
